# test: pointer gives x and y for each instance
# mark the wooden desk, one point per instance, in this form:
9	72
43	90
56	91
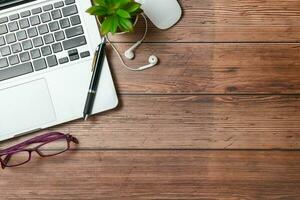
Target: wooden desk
218	119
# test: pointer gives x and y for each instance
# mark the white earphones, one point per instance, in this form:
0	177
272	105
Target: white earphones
129	54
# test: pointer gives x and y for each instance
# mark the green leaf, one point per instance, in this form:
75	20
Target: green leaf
119	3
114	24
123	13
132	7
110	24
97	10
125	24
100	3
105	27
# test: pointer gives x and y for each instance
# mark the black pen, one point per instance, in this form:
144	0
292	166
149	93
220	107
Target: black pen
97	68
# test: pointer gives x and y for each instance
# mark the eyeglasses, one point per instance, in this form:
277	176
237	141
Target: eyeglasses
49	144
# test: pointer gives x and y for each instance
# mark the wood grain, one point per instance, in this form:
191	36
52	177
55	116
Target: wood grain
176	175
212	69
229	21
193	122
202	125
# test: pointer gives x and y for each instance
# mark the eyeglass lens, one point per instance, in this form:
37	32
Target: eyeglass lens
48	149
53	148
15	159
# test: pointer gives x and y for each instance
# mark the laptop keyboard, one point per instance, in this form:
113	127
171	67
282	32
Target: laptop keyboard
31	40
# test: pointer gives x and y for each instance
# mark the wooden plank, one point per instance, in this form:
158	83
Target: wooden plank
192	122
212	69
156	175
229	20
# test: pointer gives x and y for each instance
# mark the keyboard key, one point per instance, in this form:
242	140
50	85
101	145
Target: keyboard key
73	54
24	23
43	29
2	41
3	29
3	62
25	13
13	26
10	38
15	71
64	23
13	60
3	20
45	17
36	10
14	17
37	42
5	51
48	39
32	32
39	64
59	4
24	56
70	10
56	48
34	20
59	35
47	7
75	42
53	26
68	2
52	61
46	50
35	53
16	48
85	54
75	20
21	35
74	31
27	44
56	14
74	57
63	60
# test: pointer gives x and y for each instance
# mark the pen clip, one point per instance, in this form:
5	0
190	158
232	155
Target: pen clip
103	40
94	60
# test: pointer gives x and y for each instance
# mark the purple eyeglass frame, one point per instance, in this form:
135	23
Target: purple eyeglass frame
43	139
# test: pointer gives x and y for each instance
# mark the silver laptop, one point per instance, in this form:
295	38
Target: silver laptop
46	53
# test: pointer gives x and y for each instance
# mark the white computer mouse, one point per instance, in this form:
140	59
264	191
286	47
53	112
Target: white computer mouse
163	13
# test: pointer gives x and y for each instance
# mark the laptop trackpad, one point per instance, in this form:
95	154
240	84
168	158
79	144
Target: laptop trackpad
25	107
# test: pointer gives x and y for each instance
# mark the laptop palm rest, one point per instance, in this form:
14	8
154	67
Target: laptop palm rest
25	107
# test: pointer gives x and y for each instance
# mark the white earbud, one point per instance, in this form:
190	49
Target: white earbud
129	54
153	60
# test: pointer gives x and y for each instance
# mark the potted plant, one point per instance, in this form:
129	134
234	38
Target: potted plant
115	16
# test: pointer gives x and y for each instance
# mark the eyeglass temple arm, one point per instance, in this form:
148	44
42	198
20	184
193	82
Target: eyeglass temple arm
41	138
57	136
46	138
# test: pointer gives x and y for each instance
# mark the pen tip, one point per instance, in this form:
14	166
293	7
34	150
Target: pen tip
86	117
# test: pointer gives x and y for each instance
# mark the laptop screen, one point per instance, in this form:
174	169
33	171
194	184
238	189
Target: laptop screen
9	3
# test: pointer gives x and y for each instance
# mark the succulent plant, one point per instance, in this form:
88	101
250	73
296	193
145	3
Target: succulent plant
115	15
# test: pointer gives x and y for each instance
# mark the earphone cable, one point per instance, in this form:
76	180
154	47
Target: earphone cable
116	50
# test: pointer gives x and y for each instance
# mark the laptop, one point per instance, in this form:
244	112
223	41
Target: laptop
46	54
